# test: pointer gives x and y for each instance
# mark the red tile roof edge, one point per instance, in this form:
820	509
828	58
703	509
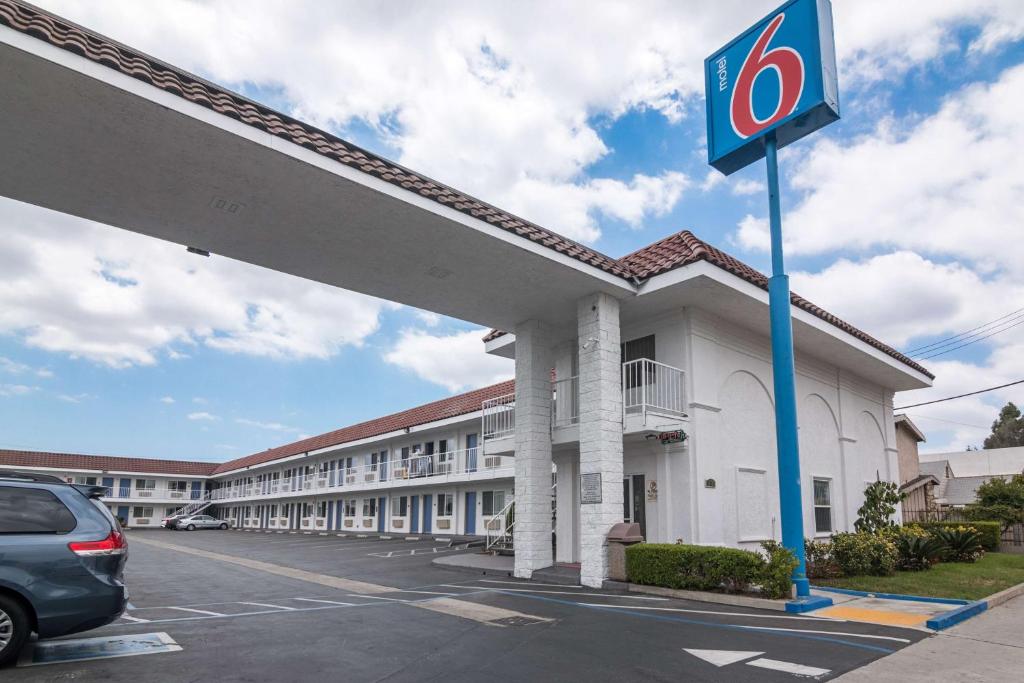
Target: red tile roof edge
685	248
66	35
453	406
13	459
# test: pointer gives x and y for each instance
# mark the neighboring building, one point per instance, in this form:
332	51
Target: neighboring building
916	487
673	338
988	461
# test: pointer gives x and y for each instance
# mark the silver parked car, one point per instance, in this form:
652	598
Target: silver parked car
193	522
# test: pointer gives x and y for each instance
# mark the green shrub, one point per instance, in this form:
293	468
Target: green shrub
916	548
990	531
880	501
858	554
962	544
820	563
776	576
693	567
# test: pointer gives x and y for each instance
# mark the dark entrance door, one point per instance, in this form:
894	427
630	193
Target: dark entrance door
633	502
428	509
471	513
414	514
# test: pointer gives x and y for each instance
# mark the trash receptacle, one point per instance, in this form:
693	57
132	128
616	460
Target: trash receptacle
621	535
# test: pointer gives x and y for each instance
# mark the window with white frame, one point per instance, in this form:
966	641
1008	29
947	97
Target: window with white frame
177	485
399	506
350	507
445	504
145	484
369	507
492	502
88	481
822	506
321	508
139	511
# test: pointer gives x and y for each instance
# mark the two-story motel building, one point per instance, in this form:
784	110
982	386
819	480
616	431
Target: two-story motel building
609	352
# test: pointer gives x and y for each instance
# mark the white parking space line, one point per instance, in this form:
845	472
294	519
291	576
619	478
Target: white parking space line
135	619
777	615
599	595
427	592
264	604
197	611
326	602
788	667
831	633
531	583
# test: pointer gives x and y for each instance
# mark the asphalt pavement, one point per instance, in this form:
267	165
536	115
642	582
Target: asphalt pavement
245	606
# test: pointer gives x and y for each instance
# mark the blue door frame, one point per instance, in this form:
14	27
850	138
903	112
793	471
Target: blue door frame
122	512
414	514
381	507
428	509
471	512
330	515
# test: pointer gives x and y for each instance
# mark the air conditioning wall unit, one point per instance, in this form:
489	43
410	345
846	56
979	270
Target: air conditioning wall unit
492	462
444	524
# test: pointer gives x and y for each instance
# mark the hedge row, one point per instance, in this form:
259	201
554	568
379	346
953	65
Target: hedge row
991	532
706	568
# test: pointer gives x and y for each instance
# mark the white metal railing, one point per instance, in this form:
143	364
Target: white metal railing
565	402
499	417
437	466
498	529
649	385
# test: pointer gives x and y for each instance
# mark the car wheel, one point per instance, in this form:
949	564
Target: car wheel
223	526
14	629
191	527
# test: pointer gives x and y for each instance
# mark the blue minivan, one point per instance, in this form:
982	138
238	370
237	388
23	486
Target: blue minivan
62	558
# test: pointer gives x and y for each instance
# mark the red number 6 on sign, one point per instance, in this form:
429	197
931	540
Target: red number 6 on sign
788	67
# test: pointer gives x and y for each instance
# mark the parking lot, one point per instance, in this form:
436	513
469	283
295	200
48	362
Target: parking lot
245	606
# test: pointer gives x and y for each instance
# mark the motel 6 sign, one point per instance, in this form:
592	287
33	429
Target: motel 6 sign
779	75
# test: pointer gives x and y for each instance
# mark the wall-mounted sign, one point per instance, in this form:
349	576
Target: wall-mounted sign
675	436
778	75
590	488
652	491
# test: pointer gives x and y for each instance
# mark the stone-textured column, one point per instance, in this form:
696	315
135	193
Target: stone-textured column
600	429
533	449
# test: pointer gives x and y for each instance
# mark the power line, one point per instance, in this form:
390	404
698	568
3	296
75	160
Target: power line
939	419
950	398
955	337
973	341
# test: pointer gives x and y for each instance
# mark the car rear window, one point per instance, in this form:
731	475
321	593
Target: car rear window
33	511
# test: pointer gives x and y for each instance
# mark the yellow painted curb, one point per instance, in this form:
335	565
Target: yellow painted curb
873	616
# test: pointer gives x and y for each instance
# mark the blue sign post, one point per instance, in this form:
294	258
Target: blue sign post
773	85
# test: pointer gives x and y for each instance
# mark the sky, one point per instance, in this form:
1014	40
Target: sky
904	218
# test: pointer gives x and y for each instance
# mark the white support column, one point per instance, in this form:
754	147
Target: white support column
533	449
567	508
600	429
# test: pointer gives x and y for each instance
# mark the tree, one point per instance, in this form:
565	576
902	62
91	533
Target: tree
880	501
1000	500
1007	430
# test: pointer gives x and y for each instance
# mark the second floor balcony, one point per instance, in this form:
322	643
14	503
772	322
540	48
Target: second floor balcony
653	394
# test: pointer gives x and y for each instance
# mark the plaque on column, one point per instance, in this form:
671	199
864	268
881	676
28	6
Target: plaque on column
590	488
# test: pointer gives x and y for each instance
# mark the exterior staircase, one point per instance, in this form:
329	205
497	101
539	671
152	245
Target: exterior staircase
196	506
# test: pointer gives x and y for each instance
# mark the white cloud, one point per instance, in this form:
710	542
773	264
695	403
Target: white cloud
199	400
949	183
429	319
745	187
8	390
202	417
75	398
902	296
12	367
455	361
167	399
270	426
117	298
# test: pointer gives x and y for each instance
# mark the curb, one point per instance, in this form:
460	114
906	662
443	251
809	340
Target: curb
476	571
955	616
896	596
1004	595
707	596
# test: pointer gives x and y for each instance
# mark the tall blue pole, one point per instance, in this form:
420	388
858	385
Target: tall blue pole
790	500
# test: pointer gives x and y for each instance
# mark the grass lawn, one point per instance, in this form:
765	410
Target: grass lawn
989	575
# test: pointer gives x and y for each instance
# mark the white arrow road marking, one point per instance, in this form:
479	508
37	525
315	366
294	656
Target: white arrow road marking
788	667
722	657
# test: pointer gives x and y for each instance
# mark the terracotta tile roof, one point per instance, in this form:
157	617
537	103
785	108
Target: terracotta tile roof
92	46
685	248
74	461
671	252
454	406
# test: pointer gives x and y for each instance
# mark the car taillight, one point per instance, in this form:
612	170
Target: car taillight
114	544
